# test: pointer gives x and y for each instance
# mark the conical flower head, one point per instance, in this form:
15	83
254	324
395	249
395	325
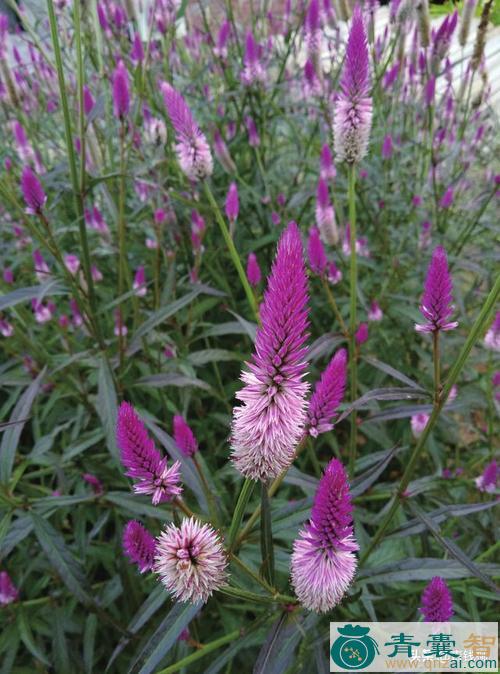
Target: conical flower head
121	92
143	461
327	395
316	252
191	561
487	482
353	112
193	151
323	562
268	425
8	591
32	190
253	270
325	215
139	545
184	436
437	299
437	603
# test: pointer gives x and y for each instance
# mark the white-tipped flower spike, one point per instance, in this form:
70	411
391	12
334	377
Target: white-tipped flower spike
193	151
190	561
353	110
323	563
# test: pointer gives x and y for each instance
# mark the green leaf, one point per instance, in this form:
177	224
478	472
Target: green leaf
89	642
154	601
199	358
5	525
164	637
60	645
266	537
239	511
364	481
422	568
68	568
53	287
278	651
173	379
27	638
12	434
107	405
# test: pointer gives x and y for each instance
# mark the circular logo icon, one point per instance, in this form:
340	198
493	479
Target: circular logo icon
353	649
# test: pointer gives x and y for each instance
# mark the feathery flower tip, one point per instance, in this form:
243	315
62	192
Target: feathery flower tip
139	545
323	562
184	436
143	461
327	395
268	425
436	306
190	561
32	190
437	603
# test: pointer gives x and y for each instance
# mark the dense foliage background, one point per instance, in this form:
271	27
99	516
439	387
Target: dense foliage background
64	499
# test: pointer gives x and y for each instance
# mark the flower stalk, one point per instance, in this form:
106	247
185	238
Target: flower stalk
353	281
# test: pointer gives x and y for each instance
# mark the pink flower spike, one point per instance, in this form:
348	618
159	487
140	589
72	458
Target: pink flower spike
72	264
32	190
137	53
375	313
268	425
361	335
190	561
232	203
143	461
447	198
8	276
222	37
94	482
316	252
492	337
8	591
353	111
193	151
327	395
139	284
121	93
184	436
327	169
437	602
139	546
387	147
325	214
437	299
323	563
418	423
253	270
487	482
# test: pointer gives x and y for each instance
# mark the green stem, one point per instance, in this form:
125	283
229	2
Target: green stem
232	251
239	511
437	369
353	281
77	191
201	652
335	309
208	493
478	327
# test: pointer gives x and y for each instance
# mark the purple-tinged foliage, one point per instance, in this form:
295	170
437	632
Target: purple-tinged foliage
436	306
268	425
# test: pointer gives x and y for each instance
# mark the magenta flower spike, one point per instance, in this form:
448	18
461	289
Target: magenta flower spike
323	563
326	166
447	198
253	71
313	27
268	425
88	100
375	313
139	283
487	482
437	603
353	111
430	90
232	203
184	437
325	214
387	147
94	482
316	252
137	53
222	38
361	335
492	337
190	561
8	591
253	134
253	270
193	151
327	395
143	461
32	190
121	93
139	546
436	306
